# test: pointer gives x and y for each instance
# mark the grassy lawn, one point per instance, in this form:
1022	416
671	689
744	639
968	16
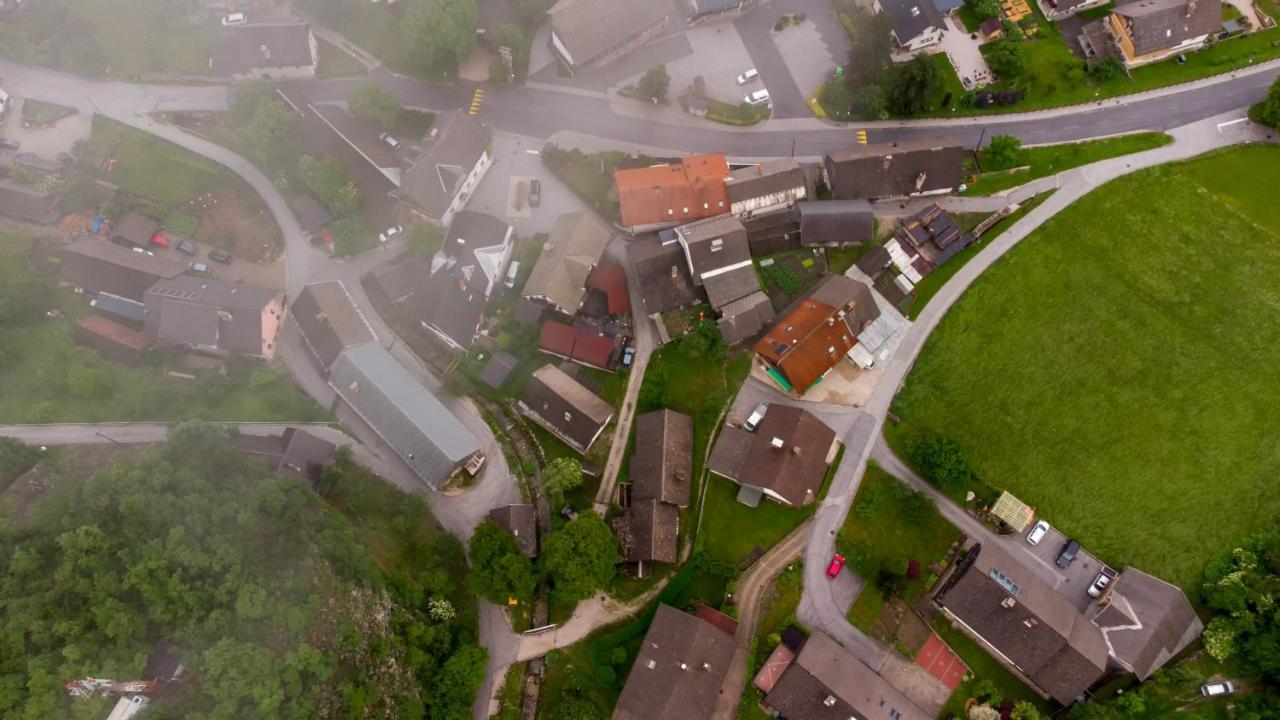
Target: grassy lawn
152	168
731	531
930	285
889	522
981	667
333	61
777	611
48	378
1134	378
39	113
591	175
511	699
1053	159
96	37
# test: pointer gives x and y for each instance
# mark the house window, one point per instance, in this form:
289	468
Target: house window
686	211
671	211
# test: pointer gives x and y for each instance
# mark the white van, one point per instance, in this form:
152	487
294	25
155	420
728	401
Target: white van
753	420
513	272
758	97
748	76
4	102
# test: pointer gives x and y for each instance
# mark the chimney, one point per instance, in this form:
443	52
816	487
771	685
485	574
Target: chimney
776	443
1008	602
920	181
652	664
884	164
684	666
829	701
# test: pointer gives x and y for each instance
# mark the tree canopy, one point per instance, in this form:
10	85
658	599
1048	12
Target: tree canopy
560	476
1241	586
579	558
438	33
912	85
653	84
1005	57
270	597
329	181
1269	112
1005	152
371	102
264	123
498	570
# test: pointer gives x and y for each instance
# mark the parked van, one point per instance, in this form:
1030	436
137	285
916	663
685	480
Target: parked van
758	97
753	420
513	272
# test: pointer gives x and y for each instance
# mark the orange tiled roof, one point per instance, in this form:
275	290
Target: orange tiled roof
690	189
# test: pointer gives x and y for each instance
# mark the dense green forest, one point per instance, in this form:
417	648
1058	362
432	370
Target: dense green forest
281	603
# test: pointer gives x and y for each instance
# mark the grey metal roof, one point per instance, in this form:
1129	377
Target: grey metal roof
1147	622
714	243
830	223
412	421
735	284
329	320
897	169
1161	24
449	154
590	28
766	178
573	248
826	682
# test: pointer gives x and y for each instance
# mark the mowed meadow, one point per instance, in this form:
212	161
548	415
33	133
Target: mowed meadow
1120	369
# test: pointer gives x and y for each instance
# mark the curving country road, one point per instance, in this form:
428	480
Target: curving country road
1189	112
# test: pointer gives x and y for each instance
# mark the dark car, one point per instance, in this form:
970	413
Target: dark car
221	256
1068	554
186	247
7	144
535	192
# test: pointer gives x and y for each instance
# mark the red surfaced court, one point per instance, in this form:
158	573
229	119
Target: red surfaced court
941	662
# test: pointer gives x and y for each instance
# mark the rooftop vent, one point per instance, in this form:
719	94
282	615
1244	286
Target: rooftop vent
684	666
776	442
1031	622
706	666
829	701
651	664
1008	602
915	11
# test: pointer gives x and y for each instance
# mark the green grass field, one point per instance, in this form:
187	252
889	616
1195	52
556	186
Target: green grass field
152	168
1117	371
1053	159
332	61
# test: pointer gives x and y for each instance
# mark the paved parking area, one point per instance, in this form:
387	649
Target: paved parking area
46	142
756	31
962	50
516	160
1073	582
809	59
718	57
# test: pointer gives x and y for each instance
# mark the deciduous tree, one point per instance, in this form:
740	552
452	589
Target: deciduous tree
560	476
579	558
1005	152
654	84
498	570
371	102
438	34
912	85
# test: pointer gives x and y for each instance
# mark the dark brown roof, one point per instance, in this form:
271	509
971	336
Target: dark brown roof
804	345
678	669
825	682
1024	618
663	275
745	317
243	49
934	235
522	522
834	223
875	260
99	266
648	532
662	464
730	452
205	312
28	203
1157	25
876	171
773	232
795	469
714	244
304	454
566	408
1147	622
766	178
498	369
330	321
134	229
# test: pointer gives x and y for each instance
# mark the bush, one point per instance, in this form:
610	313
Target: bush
942	462
1005	153
913	570
15	459
1269	113
606	675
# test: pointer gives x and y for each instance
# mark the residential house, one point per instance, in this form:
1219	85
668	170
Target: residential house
719	258
582	345
679	667
663	196
918	167
588	33
453	158
662	274
1148	31
564	408
296	451
766	187
826	682
481	246
23	202
785	459
1145	622
660	471
132	312
403	413
924	241
992	29
134	230
329	322
774	232
836	223
522	522
803	346
917	24
95	266
284	50
559	278
212	316
1023	621
115	342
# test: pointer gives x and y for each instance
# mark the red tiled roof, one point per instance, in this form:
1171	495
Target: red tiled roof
690	189
612	281
120	334
716	619
576	344
778	662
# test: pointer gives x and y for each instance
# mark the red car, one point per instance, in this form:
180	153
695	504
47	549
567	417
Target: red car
837	563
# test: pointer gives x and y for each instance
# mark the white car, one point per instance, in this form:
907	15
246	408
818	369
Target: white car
238	18
391	232
1101	582
1218	688
1038	532
391	142
758	97
748	76
753	420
